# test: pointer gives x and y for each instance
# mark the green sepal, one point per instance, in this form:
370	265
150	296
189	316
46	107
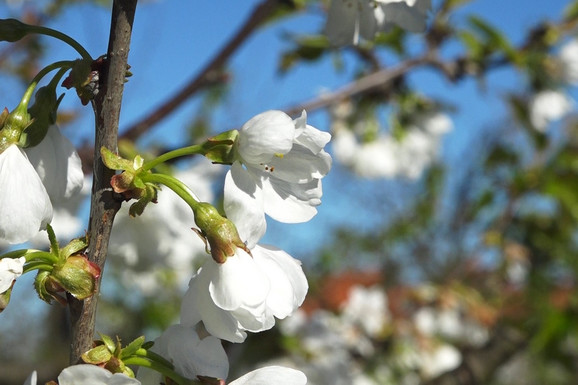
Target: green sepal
43	114
133	347
114	161
221	148
97	355
74	247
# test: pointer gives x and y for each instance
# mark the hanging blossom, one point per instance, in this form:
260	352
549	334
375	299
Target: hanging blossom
549	106
278	171
87	374
192	353
10	270
350	20
24	202
248	291
58	164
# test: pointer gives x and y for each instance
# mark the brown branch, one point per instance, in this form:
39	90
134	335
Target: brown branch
211	74
103	205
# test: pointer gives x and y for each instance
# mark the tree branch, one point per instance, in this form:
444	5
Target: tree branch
103	205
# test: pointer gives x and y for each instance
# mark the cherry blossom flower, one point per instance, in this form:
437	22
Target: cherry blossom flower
10	270
245	293
278	172
568	58
277	375
87	374
58	164
24	202
348	20
547	107
190	354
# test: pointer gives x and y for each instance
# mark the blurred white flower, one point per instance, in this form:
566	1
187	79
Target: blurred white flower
190	354
10	270
548	106
568	57
58	164
93	375
278	172
442	358
24	202
348	20
368	308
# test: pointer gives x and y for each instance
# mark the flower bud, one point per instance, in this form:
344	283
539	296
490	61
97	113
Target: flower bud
12	30
43	114
76	276
5	299
220	233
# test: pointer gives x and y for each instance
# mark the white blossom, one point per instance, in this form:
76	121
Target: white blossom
547	107
350	20
278	172
245	293
190	354
568	58
10	270
277	375
58	164
93	375
368	308
24	202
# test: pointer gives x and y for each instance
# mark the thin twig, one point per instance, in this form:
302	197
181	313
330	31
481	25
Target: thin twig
103	205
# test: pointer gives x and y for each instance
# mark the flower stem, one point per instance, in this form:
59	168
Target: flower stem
190	150
174	184
60	36
65	64
149	361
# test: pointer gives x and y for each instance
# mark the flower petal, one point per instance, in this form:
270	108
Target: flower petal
277	375
24	203
291	202
243	204
265	135
10	270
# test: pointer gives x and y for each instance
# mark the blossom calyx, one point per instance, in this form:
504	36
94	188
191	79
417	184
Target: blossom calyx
77	276
12	125
220	148
219	232
109	354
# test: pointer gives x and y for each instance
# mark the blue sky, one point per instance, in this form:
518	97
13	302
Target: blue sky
174	39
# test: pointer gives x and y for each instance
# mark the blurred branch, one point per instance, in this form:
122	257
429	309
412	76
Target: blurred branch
103	205
210	75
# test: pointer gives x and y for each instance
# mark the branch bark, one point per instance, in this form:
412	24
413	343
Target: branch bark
104	206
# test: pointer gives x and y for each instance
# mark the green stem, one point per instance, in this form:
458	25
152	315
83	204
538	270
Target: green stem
60	36
65	64
18	253
190	150
174	184
150	363
43	256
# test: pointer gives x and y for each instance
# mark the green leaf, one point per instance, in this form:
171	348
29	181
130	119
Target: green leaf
110	344
113	161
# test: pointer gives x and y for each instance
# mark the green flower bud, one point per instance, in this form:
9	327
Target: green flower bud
12	30
219	232
5	299
43	114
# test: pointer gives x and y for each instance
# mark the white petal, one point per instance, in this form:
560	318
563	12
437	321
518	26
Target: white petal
190	355
272	375
31	380
291	202
93	375
264	135
342	22
239	282
10	270
197	306
308	136
58	164
243	204
300	165
24	203
288	282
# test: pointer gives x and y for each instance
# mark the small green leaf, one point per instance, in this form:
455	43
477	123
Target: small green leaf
131	348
